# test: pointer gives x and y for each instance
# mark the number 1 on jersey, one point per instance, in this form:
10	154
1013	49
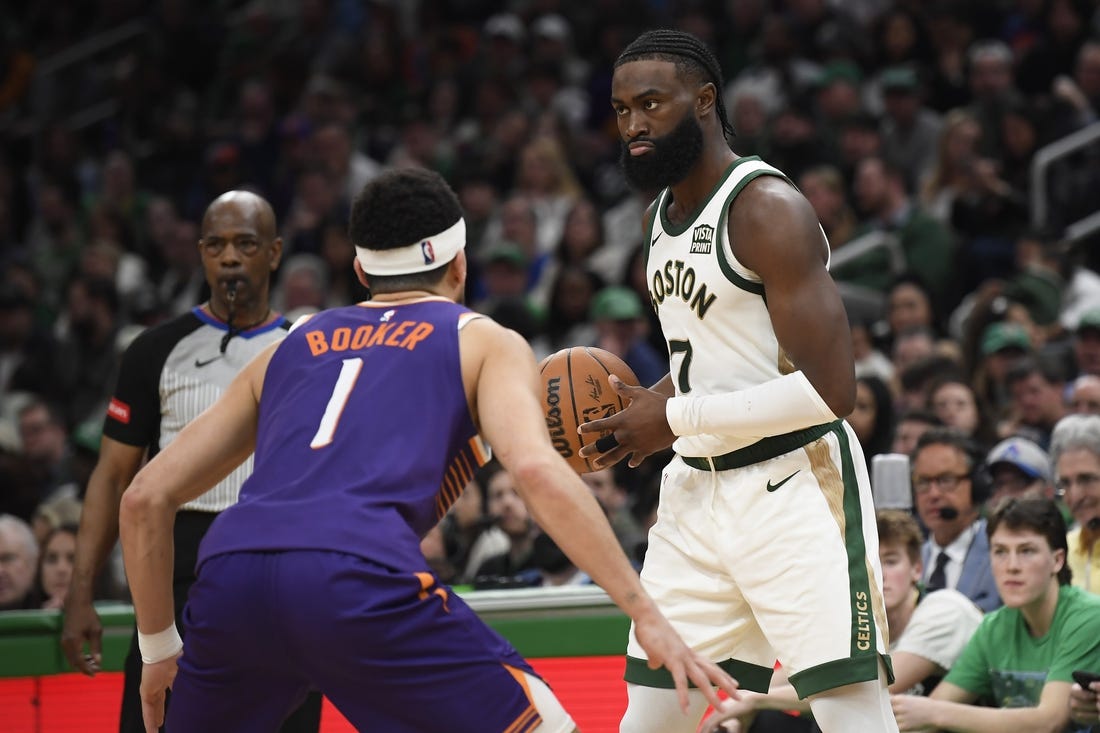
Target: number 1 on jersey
349	374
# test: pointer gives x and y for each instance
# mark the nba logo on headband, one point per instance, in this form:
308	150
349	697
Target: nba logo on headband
427	254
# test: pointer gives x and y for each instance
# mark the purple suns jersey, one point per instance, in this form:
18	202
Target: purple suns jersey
365	436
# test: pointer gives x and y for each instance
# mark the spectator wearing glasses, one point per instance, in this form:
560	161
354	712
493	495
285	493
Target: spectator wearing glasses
949	488
1075	453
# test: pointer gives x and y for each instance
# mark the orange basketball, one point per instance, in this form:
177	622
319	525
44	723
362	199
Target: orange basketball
575	390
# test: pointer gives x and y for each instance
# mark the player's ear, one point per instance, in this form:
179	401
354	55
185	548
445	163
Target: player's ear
458	267
705	99
360	274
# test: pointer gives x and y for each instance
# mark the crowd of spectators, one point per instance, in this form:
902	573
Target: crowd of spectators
910	125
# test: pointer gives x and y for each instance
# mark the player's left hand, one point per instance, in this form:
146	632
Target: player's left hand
732	716
912	712
664	647
156	680
641	429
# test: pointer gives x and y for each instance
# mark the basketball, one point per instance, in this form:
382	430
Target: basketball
575	390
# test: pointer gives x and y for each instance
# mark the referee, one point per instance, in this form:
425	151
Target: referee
168	376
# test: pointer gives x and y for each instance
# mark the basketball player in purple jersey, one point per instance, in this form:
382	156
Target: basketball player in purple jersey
366	424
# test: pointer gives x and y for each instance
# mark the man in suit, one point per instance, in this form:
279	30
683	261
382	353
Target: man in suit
949	487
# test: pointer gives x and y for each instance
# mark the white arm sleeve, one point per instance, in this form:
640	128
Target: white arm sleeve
775	407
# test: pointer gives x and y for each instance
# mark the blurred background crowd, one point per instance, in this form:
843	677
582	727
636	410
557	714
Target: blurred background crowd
918	129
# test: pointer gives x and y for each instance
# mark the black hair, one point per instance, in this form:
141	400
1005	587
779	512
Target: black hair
692	58
1040	515
920	415
882	430
397	208
1024	367
981	486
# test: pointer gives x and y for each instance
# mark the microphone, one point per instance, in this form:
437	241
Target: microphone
949	513
891	482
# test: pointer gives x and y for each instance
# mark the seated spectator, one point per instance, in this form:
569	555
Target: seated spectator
18	563
55	568
872	419
1022	655
513	568
554	566
954	402
916	380
303	286
615	501
621	328
1020	469
470	534
928	631
52	514
870	360
1037	387
910	426
1084	395
1002	344
1075	453
949	488
47	449
1086	343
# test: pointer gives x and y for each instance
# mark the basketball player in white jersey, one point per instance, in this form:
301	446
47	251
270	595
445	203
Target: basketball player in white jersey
765	545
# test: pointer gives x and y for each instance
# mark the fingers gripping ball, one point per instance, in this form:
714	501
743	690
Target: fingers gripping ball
575	390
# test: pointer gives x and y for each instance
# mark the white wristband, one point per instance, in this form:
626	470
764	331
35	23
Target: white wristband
774	407
160	646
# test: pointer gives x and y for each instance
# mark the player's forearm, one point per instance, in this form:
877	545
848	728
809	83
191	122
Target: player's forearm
961	718
775	407
779	697
145	522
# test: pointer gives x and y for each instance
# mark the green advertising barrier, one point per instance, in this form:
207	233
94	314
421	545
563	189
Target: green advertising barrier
573	621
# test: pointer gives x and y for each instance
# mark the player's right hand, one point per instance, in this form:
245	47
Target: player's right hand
80	626
664	647
640	430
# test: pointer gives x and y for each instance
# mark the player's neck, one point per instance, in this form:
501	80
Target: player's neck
404	296
697	186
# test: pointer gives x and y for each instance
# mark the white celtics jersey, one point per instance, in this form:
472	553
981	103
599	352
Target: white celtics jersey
711	307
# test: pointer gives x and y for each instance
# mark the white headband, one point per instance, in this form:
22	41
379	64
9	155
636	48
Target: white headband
427	254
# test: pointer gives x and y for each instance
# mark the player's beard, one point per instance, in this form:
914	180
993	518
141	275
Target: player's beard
669	162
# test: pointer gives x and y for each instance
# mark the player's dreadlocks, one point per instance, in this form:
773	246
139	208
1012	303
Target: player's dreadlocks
691	56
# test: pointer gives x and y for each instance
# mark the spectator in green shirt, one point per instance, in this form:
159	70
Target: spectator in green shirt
1020	659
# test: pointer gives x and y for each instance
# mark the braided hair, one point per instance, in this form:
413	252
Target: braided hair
692	59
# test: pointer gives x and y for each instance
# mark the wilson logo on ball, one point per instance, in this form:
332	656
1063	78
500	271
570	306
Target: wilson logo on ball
553	418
